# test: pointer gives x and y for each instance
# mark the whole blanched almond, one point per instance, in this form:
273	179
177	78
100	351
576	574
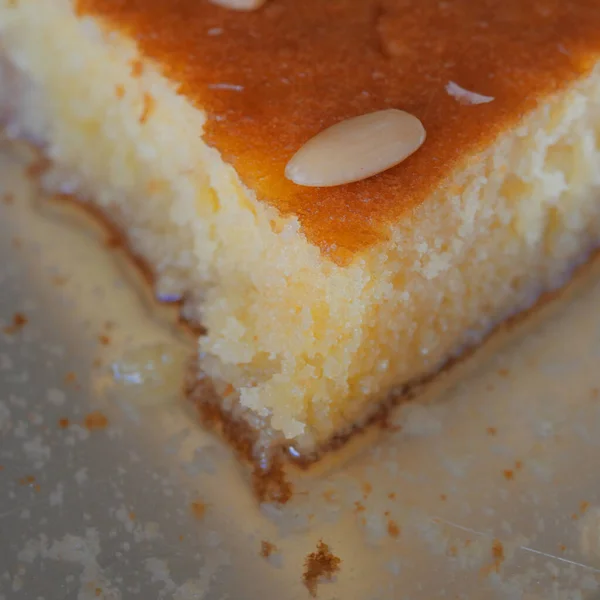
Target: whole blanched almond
356	148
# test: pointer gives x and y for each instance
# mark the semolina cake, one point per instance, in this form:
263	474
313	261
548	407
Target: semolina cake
345	194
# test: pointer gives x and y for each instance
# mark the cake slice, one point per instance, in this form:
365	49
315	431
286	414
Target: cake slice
321	293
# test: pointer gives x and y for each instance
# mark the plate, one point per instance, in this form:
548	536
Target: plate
486	487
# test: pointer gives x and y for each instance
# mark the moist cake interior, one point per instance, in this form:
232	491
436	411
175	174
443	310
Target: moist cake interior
175	119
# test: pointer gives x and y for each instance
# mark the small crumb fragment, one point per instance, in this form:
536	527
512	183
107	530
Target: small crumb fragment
120	90
503	372
492	431
70	377
359	507
393	529
27	480
392	495
95	421
583	506
367	489
198	509
318	565
267	548
18	322
104	340
497	554
64	423
443	497
518	465
509	474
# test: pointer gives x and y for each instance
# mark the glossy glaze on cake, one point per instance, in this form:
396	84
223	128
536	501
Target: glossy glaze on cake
270	79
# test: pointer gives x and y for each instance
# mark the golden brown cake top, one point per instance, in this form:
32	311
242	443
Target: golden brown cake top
272	78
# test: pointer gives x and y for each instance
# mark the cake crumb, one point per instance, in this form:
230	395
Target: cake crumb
583	506
518	465
492	431
392	495
104	340
443	497
393	529
318	565
509	474
95	420
119	90
359	507
64	423
18	322
267	548
27	480
70	377
198	509
503	372
562	547
498	558
497	554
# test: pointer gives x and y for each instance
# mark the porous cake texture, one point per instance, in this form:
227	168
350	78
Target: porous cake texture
176	118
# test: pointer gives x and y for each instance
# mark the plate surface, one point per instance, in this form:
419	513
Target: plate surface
489	487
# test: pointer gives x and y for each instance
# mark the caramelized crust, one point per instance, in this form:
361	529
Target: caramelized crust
271	79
